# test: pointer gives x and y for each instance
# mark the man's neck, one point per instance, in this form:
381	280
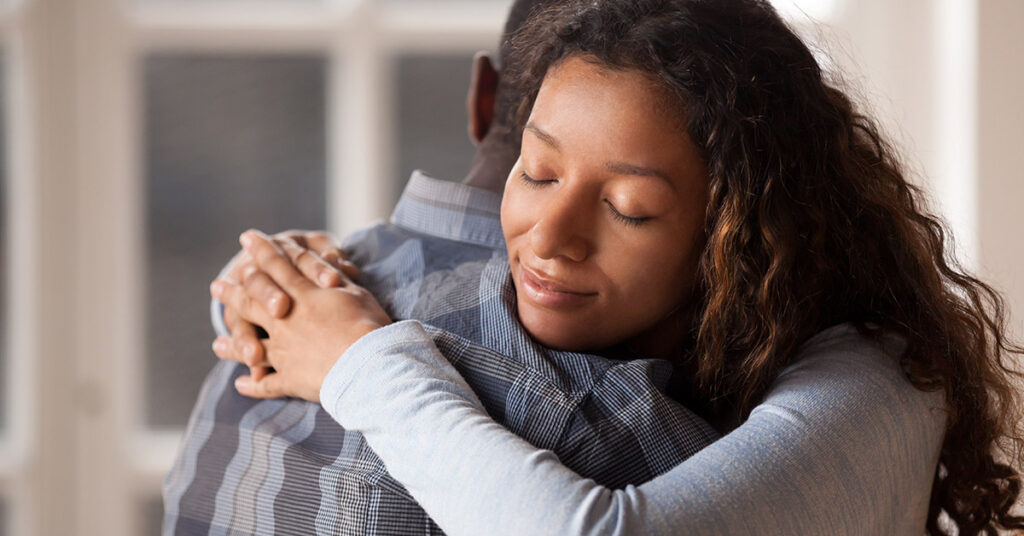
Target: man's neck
492	162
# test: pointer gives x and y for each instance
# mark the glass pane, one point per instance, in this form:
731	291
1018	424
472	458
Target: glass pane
231	142
431	116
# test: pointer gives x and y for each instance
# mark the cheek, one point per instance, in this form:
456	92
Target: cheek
516	218
659	274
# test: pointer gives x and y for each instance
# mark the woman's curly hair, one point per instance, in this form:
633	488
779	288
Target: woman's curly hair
811	223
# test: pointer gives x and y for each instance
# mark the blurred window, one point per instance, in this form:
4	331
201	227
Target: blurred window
430	122
231	143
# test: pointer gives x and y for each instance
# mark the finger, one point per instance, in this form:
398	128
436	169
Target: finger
265	291
262	368
259	372
327	248
272	260
238	265
226	348
229	318
235	297
311	265
296	235
270	386
248	349
245	341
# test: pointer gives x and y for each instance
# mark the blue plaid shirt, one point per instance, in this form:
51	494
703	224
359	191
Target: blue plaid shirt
284	467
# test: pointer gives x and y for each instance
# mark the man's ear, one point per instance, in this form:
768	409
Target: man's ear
480	102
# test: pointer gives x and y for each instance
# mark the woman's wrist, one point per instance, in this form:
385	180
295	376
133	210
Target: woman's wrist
365	350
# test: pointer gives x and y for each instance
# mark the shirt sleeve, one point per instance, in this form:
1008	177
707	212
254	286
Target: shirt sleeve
843	444
217	318
217	308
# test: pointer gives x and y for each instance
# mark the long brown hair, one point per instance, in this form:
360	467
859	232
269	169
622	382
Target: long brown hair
811	223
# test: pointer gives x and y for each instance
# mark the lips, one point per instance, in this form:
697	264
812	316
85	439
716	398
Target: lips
548	292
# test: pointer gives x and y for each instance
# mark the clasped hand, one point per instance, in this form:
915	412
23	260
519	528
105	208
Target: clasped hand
308	305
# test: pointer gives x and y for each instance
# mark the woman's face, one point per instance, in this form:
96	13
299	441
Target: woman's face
603	213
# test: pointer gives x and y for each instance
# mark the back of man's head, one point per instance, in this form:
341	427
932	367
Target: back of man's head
492	102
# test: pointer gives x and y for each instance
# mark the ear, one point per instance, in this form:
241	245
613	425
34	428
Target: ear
480	102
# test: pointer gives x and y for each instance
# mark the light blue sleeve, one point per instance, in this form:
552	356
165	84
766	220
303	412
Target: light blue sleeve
843	444
217	308
217	318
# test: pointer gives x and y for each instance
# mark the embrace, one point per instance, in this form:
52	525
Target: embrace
685	288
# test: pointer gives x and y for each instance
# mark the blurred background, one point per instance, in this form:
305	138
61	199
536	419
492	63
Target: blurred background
139	137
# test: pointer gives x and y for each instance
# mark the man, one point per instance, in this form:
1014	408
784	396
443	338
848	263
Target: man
283	466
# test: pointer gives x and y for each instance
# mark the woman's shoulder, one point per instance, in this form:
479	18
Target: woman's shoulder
846	405
842	368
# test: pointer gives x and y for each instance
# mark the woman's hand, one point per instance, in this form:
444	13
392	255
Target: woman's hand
319	326
326	267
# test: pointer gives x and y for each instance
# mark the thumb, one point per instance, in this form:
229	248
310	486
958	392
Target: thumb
269	386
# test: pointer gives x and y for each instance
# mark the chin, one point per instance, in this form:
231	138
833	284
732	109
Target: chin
556	335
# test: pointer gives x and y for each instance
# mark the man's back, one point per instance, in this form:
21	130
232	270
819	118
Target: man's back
285	467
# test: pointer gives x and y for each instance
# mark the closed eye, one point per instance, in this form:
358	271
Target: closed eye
531	182
629	221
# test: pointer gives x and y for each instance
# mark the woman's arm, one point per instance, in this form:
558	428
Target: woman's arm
843	444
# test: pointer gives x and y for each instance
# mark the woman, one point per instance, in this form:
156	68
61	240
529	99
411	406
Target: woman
784	249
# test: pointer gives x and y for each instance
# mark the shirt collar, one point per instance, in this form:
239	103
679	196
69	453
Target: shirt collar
450	210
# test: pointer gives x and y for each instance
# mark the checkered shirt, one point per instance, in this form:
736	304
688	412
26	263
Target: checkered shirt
285	467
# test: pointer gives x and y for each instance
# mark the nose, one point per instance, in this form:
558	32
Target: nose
561	229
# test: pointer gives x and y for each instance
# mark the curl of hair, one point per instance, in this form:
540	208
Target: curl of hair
811	223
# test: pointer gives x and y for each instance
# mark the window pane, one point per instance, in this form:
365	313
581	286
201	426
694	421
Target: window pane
231	142
431	116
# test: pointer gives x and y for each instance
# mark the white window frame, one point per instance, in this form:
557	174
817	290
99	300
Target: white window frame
21	213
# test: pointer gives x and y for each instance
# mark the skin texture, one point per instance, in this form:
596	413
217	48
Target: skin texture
603	213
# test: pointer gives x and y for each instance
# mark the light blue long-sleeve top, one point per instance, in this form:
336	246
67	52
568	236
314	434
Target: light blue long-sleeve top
842	444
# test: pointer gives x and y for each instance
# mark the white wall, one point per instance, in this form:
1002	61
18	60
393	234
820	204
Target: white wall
1001	150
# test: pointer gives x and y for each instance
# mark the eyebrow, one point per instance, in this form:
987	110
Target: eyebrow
544	136
623	168
620	168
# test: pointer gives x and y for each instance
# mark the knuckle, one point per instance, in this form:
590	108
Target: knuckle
302	255
250	277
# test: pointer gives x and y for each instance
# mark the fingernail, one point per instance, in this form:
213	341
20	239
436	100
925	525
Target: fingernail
242	382
273	302
249	350
246	239
216	288
219	346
